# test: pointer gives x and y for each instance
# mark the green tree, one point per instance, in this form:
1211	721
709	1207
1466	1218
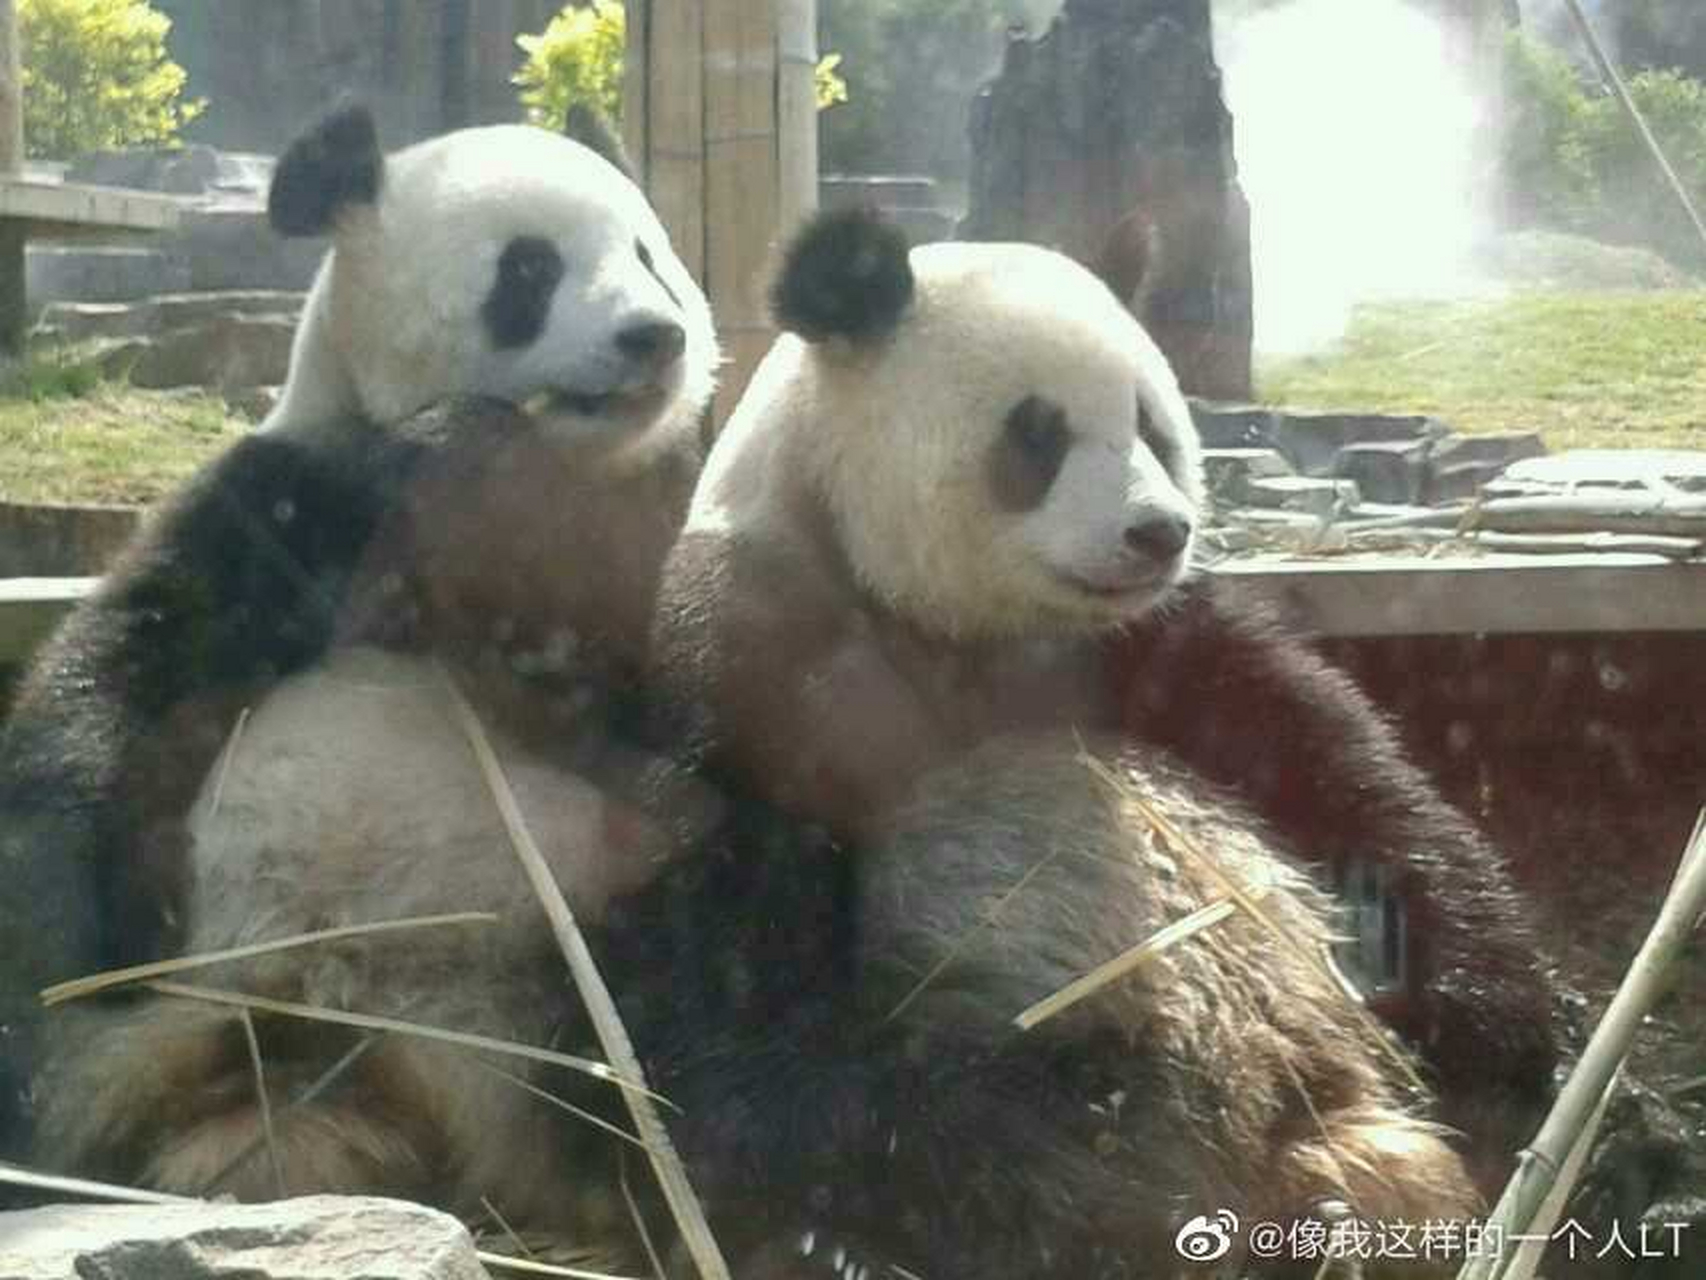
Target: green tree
1547	151
97	77
1574	161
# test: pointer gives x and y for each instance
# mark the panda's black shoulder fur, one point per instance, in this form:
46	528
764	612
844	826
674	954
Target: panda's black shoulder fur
236	583
1225	686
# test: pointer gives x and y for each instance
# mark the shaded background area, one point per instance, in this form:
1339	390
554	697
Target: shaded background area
1584	758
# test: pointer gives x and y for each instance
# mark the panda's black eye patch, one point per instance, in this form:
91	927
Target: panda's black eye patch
515	311
1027	456
1158	442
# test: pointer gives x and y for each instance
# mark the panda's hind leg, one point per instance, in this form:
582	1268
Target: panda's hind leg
165	1093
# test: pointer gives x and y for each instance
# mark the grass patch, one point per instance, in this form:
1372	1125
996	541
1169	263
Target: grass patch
1583	369
69	435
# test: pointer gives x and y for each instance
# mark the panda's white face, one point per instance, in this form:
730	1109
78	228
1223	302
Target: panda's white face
1014	457
513	262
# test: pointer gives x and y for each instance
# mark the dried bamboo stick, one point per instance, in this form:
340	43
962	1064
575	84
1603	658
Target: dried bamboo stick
607	1022
1539	1170
95	982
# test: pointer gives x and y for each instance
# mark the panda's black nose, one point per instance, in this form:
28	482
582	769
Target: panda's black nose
658	342
1161	536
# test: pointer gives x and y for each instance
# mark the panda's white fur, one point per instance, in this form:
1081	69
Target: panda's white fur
989	325
392	323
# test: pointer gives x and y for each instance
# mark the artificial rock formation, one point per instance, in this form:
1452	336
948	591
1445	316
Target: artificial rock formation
1108	135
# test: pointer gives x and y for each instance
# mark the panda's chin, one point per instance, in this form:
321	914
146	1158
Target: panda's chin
1119	601
575	413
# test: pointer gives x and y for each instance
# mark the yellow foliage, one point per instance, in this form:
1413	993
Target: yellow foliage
578	58
96	77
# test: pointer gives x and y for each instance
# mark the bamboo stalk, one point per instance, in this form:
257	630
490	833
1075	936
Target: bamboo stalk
12	1175
95	982
675	125
796	112
376	1022
1125	963
1539	1173
1533	1248
263	1101
607	1022
532	1266
636	106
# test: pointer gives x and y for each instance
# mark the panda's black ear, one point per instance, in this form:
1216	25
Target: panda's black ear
846	274
334	165
587	126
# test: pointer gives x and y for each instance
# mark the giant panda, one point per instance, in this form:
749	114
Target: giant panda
962	478
523	275
835	1121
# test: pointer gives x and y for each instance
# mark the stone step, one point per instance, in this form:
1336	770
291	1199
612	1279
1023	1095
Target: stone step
81	321
101	273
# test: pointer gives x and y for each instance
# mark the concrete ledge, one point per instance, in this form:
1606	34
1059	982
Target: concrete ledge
55	210
60	541
30	608
1378	596
1490	594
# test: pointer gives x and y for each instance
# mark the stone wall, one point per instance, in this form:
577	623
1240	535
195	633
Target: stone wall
268	66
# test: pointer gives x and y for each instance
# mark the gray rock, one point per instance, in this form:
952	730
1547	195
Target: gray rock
1233	426
1663	469
175	310
1230	471
253	403
80	321
313	1238
1388	511
229	245
1387	471
1502	447
1313	440
175	170
1304	494
229	353
1459	481
83	321
101	273
192	170
50	541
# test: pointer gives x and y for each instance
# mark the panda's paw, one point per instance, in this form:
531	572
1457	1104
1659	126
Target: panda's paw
814	1254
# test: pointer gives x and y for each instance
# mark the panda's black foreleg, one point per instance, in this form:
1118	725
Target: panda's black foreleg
1255	709
236	583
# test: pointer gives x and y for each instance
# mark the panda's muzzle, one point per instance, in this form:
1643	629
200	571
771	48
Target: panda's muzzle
649	353
655	344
